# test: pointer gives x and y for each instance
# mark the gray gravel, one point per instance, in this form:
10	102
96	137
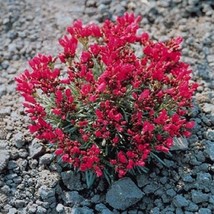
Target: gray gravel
31	181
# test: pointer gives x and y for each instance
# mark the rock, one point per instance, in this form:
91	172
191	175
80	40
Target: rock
206	120
22	34
3	134
102	209
102	8
200	156
194	111
33	163
187	178
142	180
3	198
11	176
91	11
23	153
208	108
12	165
204	181
180	144
192	207
47	178
95	199
20	203
163	180
180	211
46	159
171	192
91	3
118	9
179	201
47	194
212	119
204	167
72	180
155	210
123	194
19	140
193	139
55	167
4	155
106	211
105	2
165	198
41	210
169	210
5	111
204	211
12	47
5	189
32	208
211	200
72	198
5	64
203	98
150	188
203	177
17	180
36	149
12	211
209	149
210	135
60	208
210	58
67	19
169	163
82	210
199	197
3	90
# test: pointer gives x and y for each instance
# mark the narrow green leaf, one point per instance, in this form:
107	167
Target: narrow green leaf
143	169
153	155
108	176
90	178
125	115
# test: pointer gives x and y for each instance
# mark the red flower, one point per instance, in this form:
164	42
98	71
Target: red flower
59	151
101	87
65	157
121	173
144	95
121	157
79	31
69	45
148	127
190	125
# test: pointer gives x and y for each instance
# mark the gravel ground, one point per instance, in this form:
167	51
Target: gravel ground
31	181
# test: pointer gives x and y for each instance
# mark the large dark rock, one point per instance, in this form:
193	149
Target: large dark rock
72	180
123	194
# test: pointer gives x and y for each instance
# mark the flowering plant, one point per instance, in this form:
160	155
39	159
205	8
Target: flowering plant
104	105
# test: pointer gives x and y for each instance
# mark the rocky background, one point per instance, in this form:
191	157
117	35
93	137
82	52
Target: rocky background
31	181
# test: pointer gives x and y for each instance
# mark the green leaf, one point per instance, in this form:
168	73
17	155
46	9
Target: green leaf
132	172
85	145
109	177
153	155
71	130
125	114
90	178
142	169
